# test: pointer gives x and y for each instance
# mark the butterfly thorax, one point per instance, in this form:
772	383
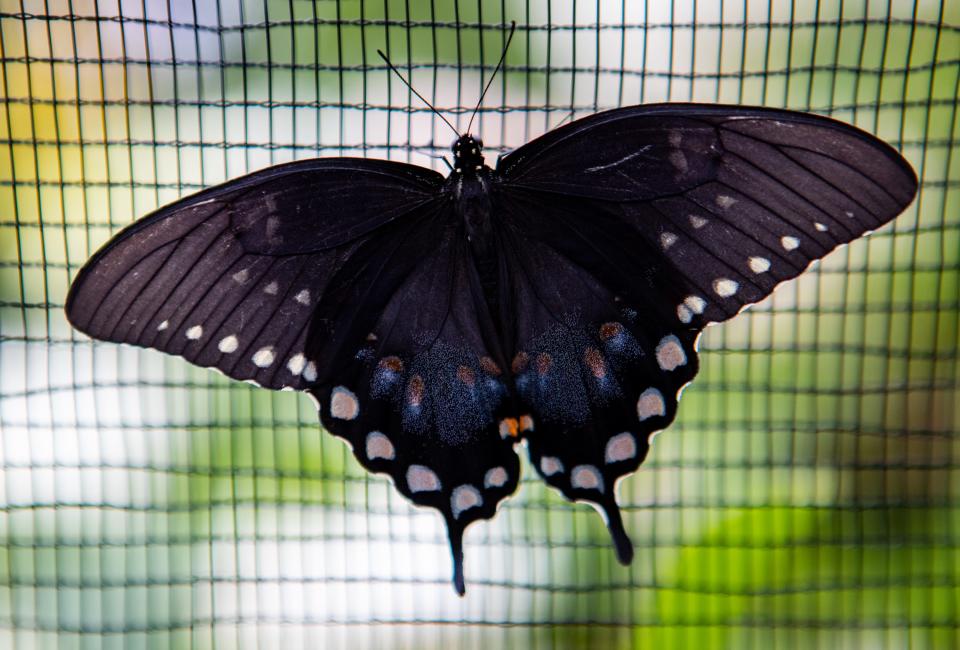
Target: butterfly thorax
470	181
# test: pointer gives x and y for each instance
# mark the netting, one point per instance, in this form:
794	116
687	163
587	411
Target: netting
807	494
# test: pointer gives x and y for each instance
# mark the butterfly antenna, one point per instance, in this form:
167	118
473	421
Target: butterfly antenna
513	28
414	91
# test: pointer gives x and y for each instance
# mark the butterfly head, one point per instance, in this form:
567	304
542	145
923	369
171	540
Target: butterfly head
467	154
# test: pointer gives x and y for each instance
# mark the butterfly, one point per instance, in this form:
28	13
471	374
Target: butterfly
554	300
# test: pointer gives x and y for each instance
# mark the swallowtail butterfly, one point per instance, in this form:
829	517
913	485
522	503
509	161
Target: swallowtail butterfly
555	299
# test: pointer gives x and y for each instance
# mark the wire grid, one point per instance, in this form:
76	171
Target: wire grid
806	495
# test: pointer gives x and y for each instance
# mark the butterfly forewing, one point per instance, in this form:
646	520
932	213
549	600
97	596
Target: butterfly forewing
230	277
734	201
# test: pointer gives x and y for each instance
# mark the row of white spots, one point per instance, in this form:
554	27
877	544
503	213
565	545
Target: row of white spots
582	477
670	354
421	478
262	358
620	447
298	364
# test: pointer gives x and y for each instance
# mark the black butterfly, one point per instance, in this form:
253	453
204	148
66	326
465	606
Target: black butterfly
556	299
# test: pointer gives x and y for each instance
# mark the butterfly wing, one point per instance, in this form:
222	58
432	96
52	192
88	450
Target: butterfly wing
344	278
231	277
421	396
637	227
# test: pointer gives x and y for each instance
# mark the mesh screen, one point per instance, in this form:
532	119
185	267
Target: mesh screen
807	494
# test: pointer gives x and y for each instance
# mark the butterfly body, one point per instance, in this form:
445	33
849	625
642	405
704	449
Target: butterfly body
554	300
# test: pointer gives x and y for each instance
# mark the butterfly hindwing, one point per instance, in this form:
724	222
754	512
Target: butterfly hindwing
599	361
422	394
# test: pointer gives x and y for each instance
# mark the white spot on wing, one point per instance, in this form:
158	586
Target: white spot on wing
379	446
263	357
650	404
820	227
684	315
310	372
297	363
759	264
696	304
789	243
622	446
678	160
725	287
303	297
724	201
550	465
697	221
463	498
272	288
344	404
228	344
195	332
162	326
241	276
667	240
586	477
422	479
494	478
670	354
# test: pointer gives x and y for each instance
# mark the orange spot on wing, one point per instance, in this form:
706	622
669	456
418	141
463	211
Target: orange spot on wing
490	366
610	330
509	427
393	364
520	362
466	375
544	361
594	361
415	389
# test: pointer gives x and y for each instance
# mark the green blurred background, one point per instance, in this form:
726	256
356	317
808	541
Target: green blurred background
807	495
